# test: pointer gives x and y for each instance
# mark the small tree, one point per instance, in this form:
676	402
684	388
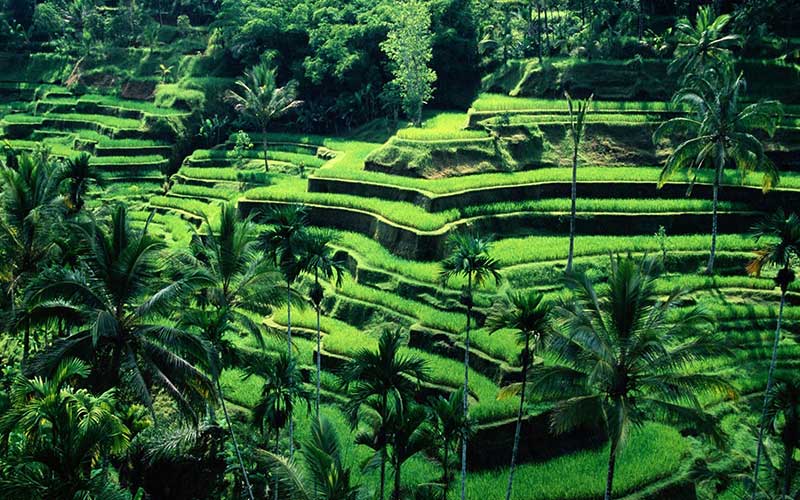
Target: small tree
786	229
259	99
409	48
577	124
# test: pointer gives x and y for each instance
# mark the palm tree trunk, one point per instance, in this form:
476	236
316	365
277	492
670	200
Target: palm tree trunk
446	468
384	412
266	163
573	206
612	462
26	341
539	28
235	443
277	451
319	360
788	458
319	343
289	351
641	19
383	471
717	178
518	431
465	398
770	373
397	479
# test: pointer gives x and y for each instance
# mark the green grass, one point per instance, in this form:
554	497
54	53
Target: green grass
652	452
442	127
346	340
257	154
500	102
124	160
217	192
343	170
288	189
294	190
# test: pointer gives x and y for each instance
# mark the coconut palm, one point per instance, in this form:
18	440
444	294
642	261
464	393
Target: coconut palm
720	134
447	427
783	415
67	432
283	243
624	357
468	258
785	229
259	99
29	211
703	44
380	380
529	317
239	284
126	335
78	174
318	260
325	475
577	125
283	389
410	435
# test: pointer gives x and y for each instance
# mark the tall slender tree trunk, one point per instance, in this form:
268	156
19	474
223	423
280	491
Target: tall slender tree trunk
266	144
319	345
546	28
384	411
641	18
773	362
446	468
518	431
715	203
573	205
612	462
465	398
26	341
788	458
289	350
539	29
277	452
397	479
235	442
383	471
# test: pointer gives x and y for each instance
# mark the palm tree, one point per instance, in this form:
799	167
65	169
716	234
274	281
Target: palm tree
410	435
381	380
283	388
624	358
239	283
67	432
283	243
126	336
783	402
577	125
721	135
259	99
786	230
469	258
447	427
529	316
78	173
324	477
28	214
703	44
318	259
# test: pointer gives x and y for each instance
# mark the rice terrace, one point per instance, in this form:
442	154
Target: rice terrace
399	249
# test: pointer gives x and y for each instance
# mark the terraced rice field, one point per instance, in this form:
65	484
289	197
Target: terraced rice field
392	229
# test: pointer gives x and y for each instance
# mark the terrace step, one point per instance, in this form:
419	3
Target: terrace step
415	244
753	196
